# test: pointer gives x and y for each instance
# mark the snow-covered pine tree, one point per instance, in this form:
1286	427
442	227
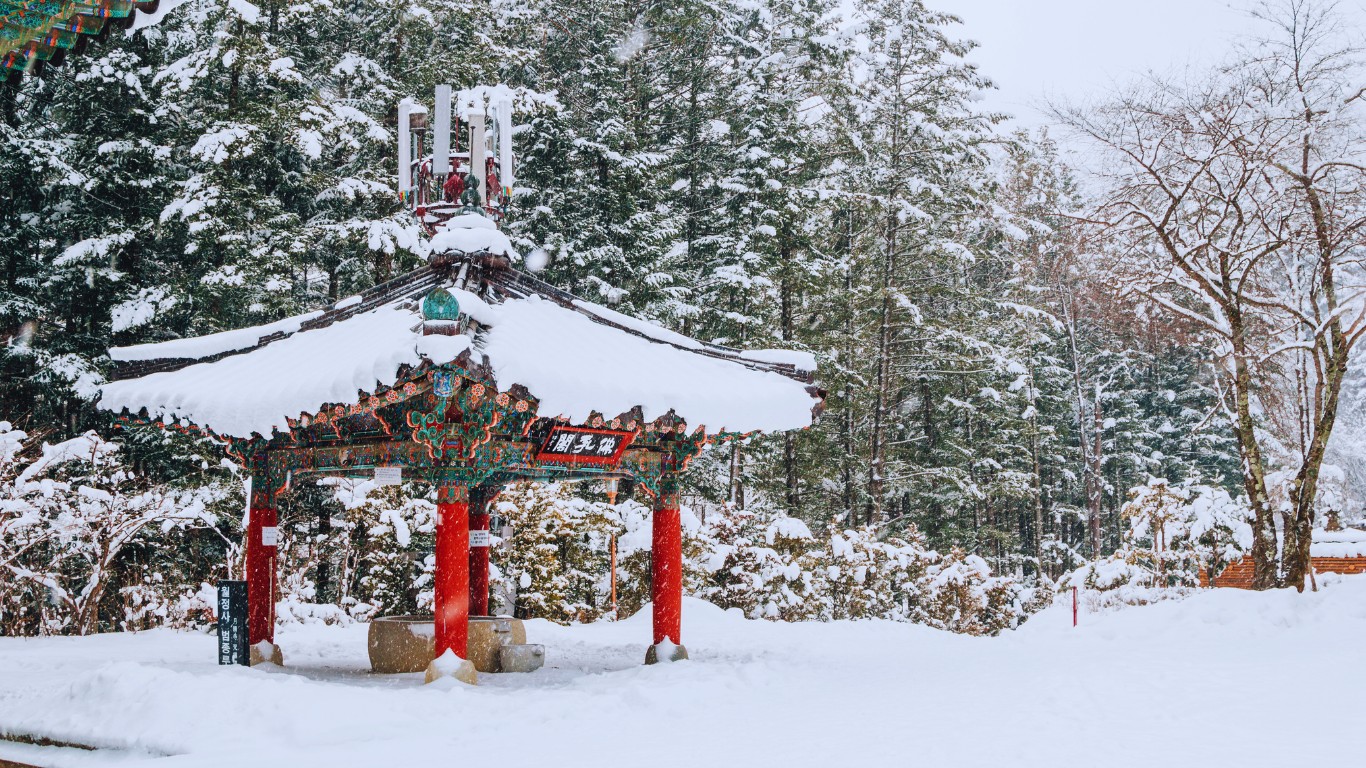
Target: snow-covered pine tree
916	182
555	561
592	197
755	271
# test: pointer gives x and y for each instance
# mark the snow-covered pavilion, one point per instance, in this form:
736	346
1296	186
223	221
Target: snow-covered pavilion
471	374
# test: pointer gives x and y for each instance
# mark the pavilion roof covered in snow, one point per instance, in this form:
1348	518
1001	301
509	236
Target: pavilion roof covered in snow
575	357
38	32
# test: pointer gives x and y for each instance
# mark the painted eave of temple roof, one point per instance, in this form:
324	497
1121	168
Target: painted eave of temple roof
39	33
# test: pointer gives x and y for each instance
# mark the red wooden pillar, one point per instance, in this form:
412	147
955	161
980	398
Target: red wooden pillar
261	531
479	550
666	577
262	538
452	587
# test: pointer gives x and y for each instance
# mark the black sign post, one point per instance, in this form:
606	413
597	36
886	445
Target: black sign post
232	623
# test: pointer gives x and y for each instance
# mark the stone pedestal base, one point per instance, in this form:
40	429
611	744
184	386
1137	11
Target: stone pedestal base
488	635
401	644
450	666
266	652
665	652
521	658
406	643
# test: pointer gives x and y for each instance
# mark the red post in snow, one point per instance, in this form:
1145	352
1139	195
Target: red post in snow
479	551
611	486
666	578
262	539
452	583
614	578
1074	606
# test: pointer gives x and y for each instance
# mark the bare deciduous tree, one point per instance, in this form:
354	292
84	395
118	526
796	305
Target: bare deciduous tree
1235	201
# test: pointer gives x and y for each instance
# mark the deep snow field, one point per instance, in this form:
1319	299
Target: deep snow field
1224	678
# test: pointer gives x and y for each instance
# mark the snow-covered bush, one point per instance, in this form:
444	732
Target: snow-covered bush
554	563
958	593
771	566
66	517
355	551
21	600
154	602
868	577
1174	535
759	563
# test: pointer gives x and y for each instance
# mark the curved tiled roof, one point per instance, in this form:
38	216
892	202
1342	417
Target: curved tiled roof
575	356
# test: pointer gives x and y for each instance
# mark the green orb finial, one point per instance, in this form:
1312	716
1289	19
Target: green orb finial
440	305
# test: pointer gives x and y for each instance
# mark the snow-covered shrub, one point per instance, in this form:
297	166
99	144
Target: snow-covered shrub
958	593
758	563
156	603
555	559
356	551
1177	532
21	600
868	577
1217	525
392	545
1116	581
65	519
771	566
291	610
1174	535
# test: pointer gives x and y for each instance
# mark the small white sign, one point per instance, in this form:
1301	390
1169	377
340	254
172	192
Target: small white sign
479	538
388	475
270	536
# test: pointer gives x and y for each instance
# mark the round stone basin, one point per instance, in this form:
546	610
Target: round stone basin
407	643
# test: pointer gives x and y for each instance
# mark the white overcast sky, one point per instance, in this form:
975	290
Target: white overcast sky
1076	49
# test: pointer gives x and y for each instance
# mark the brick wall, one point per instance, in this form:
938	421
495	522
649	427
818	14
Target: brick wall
1339	564
1239	574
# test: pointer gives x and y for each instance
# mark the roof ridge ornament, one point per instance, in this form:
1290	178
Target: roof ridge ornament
440	306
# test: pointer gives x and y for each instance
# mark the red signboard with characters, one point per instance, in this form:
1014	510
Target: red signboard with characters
583	445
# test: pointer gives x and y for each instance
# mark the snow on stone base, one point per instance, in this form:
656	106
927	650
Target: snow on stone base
665	652
449	668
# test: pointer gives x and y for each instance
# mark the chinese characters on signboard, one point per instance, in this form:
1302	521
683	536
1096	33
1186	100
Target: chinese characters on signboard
232	622
581	445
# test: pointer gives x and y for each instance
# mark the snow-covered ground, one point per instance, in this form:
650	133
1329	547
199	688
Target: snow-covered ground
1224	678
